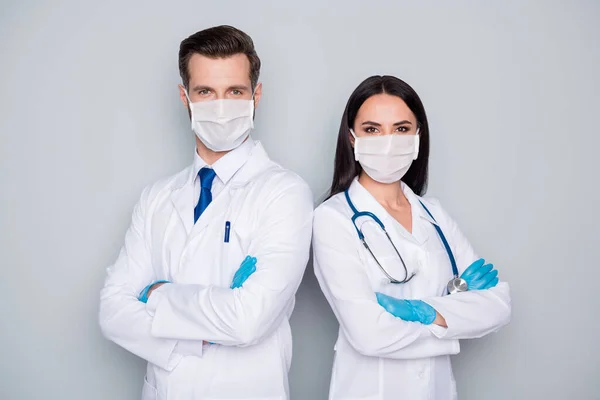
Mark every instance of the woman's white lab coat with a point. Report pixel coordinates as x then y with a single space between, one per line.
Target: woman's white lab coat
270 212
379 356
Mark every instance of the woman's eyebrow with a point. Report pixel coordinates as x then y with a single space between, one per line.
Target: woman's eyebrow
371 123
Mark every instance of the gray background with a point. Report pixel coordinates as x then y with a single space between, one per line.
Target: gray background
90 113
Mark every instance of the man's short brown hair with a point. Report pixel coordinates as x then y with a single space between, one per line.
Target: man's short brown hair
218 42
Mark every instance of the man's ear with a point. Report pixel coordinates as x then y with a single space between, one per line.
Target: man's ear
257 94
183 97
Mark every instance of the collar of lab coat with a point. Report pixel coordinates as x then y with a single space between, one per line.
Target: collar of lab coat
227 165
364 201
255 160
181 195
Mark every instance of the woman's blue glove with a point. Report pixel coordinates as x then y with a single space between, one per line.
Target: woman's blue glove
480 276
247 268
407 310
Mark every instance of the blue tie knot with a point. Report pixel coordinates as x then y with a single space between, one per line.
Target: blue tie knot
207 175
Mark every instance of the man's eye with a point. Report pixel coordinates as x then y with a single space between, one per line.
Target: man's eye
236 92
204 92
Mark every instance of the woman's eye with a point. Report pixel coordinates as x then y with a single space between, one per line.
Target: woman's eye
403 129
370 129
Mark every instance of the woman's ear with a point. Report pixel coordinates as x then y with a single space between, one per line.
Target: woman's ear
351 137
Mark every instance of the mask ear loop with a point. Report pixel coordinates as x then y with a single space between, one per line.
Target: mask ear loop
252 106
417 143
187 96
355 140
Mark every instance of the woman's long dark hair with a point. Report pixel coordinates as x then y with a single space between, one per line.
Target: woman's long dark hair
346 169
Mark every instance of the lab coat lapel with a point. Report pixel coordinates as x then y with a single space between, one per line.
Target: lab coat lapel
364 201
257 163
182 198
421 227
218 207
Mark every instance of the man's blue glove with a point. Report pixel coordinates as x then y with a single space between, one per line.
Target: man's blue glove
480 276
247 268
143 296
407 310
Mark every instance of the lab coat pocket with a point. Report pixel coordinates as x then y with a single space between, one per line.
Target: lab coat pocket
380 282
438 272
149 392
382 262
236 250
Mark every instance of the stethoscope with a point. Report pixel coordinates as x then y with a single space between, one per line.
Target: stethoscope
455 285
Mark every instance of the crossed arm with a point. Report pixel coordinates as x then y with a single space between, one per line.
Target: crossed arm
178 317
374 331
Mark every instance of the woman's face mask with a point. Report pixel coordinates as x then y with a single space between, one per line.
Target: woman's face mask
386 158
386 137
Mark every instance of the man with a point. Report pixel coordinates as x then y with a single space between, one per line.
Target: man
204 286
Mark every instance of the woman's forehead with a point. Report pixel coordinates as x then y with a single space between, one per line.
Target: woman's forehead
384 108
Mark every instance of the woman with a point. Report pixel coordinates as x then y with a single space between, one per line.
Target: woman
390 291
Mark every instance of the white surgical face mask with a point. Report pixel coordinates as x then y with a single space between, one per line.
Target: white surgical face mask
386 158
222 125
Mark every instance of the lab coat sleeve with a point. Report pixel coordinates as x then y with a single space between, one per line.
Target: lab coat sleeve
245 316
123 318
368 327
470 314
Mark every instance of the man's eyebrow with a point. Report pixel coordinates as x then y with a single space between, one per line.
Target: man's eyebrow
239 87
197 88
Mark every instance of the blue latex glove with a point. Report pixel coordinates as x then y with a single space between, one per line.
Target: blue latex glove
143 297
407 310
247 268
480 276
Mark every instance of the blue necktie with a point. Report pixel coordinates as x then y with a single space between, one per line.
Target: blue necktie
207 176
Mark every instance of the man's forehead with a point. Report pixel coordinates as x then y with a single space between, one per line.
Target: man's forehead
229 70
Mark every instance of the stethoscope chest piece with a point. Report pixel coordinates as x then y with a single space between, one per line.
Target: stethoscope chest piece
457 285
